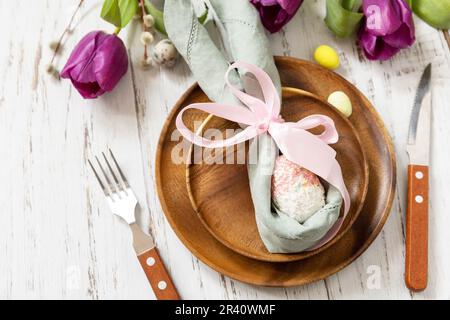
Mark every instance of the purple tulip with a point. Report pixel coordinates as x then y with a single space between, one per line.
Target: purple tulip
276 13
388 28
97 64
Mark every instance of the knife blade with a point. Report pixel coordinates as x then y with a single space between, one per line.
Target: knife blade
418 148
420 124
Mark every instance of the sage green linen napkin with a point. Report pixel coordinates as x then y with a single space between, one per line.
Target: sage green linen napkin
245 40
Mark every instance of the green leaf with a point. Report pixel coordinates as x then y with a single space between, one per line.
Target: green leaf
119 12
351 5
157 15
343 21
204 16
434 12
110 12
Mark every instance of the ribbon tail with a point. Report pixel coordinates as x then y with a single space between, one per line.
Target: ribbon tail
329 135
245 135
304 148
336 179
233 113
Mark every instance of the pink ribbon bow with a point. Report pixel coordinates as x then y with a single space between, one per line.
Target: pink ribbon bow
309 151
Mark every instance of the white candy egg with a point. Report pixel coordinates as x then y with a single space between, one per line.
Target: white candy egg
342 102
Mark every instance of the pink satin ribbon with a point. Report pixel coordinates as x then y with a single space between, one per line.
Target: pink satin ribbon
310 151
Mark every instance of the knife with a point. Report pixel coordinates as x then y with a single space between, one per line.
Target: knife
418 148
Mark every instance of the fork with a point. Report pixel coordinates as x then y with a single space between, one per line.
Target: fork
123 203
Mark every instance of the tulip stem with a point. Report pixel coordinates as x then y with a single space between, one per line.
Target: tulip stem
66 30
117 31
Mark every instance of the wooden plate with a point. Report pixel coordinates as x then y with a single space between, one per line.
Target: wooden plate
172 191
220 193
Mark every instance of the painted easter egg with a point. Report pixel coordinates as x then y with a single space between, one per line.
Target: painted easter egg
165 54
296 191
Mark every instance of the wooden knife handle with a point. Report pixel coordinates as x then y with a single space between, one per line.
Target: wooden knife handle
416 269
158 276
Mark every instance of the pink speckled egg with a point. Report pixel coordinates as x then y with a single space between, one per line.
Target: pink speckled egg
296 191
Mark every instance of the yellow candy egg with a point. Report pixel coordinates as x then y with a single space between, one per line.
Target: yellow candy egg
342 102
327 57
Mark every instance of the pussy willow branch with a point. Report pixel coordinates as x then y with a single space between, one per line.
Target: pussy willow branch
66 30
144 28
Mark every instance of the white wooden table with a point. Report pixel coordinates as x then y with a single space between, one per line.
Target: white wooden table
57 237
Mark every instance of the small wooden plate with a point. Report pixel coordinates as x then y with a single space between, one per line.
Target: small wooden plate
172 190
220 193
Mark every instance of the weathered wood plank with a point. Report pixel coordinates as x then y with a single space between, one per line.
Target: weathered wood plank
56 234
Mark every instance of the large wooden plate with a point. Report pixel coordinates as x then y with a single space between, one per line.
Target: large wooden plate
220 193
172 191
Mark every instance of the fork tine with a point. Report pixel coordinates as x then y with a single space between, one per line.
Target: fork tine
98 178
118 184
111 185
119 170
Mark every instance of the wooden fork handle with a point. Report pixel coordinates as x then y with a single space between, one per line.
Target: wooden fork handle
158 276
416 269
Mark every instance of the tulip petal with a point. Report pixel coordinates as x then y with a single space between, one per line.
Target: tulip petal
97 64
401 38
290 6
382 16
110 63
375 48
82 54
388 27
90 90
404 36
276 13
267 3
